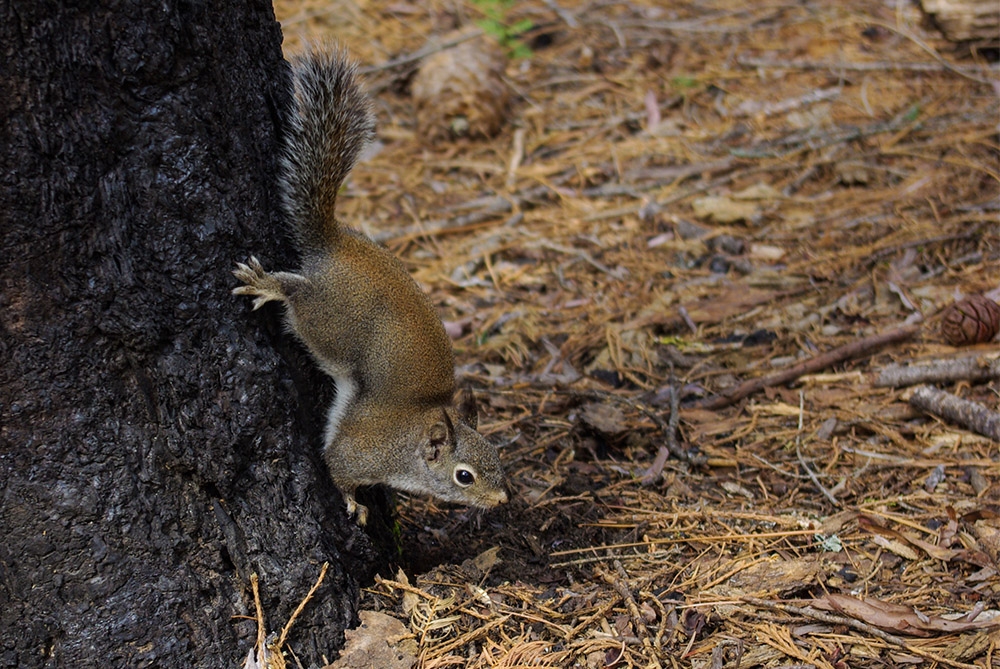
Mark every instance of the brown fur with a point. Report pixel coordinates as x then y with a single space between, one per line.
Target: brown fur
365 320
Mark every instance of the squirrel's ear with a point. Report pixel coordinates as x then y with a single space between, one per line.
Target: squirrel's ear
435 440
468 410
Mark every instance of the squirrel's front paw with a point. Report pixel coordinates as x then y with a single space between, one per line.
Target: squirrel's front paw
360 511
257 282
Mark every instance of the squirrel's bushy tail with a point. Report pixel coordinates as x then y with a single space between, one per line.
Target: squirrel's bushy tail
329 125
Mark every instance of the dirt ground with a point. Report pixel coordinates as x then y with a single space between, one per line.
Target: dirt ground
680 198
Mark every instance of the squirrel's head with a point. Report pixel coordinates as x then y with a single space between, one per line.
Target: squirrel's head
460 464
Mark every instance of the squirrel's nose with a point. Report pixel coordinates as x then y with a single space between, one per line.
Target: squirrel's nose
505 493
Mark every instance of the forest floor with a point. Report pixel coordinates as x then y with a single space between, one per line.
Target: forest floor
680 198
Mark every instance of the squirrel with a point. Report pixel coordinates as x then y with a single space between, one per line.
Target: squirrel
364 319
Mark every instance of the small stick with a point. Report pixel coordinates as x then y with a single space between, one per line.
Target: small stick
584 256
784 106
814 478
563 14
855 349
974 368
420 54
656 469
687 319
799 142
802 461
971 232
261 632
619 582
266 655
517 155
302 605
970 415
801 64
491 207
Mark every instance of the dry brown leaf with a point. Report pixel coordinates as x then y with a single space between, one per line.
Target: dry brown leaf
896 617
767 252
758 191
776 577
410 599
605 418
728 301
833 524
379 641
777 409
478 567
721 209
897 542
987 533
900 548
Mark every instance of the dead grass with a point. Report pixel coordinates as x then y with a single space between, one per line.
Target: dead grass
820 172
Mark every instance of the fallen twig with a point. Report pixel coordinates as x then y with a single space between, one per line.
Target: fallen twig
261 644
755 108
973 368
489 207
269 652
497 206
564 14
802 462
854 349
814 478
876 66
971 232
298 609
656 469
814 140
616 273
970 415
619 581
420 54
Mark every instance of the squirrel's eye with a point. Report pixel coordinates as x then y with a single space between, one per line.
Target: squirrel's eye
464 477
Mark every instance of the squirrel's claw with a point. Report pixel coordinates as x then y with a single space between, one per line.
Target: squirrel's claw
258 283
359 511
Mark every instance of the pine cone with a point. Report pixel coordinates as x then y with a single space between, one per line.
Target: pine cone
461 92
974 320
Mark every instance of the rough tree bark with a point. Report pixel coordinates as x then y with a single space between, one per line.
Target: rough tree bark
157 442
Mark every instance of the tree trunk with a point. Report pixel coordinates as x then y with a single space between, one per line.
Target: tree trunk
157 442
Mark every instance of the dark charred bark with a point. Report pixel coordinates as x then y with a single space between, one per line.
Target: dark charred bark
156 444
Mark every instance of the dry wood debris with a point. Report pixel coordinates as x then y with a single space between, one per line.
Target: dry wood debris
688 199
966 20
